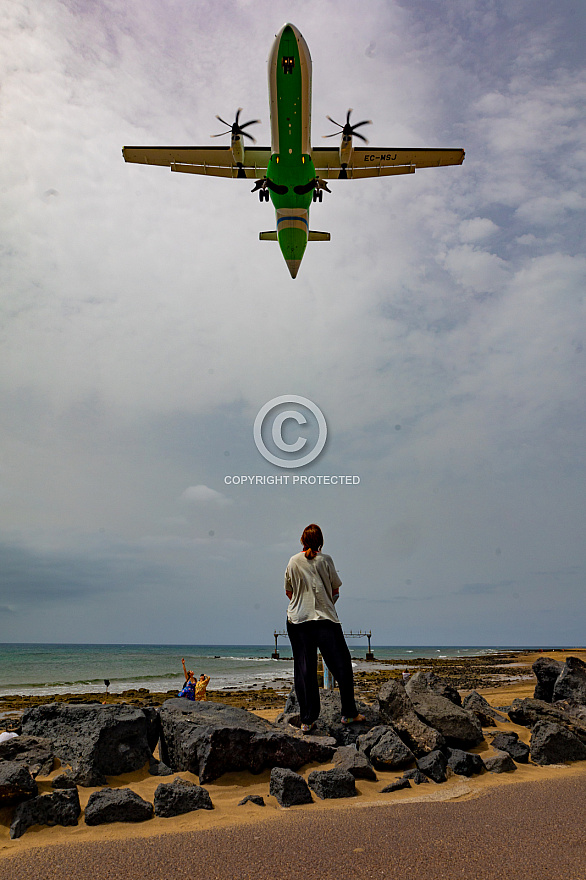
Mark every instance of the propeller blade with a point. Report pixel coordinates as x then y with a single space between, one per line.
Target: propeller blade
334 135
362 138
348 116
364 122
249 136
251 122
238 112
223 121
334 121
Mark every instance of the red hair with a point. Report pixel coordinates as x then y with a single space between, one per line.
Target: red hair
312 540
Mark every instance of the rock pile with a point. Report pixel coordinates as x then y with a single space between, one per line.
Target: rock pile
422 728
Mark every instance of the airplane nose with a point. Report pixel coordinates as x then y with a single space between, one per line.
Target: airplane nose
293 266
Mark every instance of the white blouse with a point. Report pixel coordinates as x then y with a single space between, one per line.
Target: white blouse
312 582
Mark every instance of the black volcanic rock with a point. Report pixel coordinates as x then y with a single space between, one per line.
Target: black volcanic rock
16 783
289 788
116 805
464 763
500 762
61 807
482 709
336 783
384 748
35 752
528 712
547 671
396 709
553 744
434 765
210 739
329 722
510 743
94 740
180 796
460 727
355 762
571 683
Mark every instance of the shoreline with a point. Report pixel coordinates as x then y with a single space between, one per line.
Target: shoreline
477 672
227 791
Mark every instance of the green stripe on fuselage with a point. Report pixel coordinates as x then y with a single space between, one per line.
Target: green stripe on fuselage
290 167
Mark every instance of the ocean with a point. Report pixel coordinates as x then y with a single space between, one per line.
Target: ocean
45 669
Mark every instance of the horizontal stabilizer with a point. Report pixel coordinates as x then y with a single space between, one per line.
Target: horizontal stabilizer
313 236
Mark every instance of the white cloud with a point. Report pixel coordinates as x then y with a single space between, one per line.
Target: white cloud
203 494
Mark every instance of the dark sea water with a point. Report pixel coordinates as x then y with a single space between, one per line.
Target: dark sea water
57 669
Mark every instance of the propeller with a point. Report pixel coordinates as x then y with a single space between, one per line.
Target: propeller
235 128
347 129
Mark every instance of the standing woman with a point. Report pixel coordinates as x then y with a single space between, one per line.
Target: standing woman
312 586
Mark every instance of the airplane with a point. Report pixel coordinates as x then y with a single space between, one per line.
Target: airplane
292 173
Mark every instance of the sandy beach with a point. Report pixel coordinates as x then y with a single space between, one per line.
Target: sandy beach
483 822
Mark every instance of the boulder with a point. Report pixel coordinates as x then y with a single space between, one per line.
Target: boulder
553 744
350 759
528 712
482 709
384 748
464 763
460 727
396 709
16 783
180 796
571 684
252 799
35 752
116 805
434 765
64 780
334 783
416 776
397 785
158 768
329 722
61 807
500 762
153 725
289 787
210 739
94 740
512 745
442 688
547 671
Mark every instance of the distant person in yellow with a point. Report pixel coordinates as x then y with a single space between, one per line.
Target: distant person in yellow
200 687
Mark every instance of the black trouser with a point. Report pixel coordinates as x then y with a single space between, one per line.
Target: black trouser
305 639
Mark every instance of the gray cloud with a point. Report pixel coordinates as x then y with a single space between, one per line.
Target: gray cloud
146 325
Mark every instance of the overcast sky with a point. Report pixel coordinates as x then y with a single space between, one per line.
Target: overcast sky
440 332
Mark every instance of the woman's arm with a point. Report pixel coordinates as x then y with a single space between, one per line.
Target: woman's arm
184 668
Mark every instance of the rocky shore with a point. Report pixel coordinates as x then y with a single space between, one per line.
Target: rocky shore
424 729
474 673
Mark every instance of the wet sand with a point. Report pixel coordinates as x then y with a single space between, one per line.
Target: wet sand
505 818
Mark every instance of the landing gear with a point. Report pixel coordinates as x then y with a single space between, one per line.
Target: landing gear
263 195
318 195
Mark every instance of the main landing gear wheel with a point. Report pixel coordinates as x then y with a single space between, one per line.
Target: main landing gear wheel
263 195
318 195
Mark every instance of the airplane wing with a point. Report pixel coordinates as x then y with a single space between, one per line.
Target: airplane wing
380 161
214 161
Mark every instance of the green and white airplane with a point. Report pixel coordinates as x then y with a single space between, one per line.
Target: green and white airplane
292 173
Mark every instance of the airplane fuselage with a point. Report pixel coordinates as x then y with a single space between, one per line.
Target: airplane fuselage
291 172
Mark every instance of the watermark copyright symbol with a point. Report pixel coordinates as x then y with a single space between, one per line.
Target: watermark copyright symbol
273 423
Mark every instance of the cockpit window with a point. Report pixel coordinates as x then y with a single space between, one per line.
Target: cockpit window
288 64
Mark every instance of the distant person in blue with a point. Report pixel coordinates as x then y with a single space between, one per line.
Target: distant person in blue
188 689
312 586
